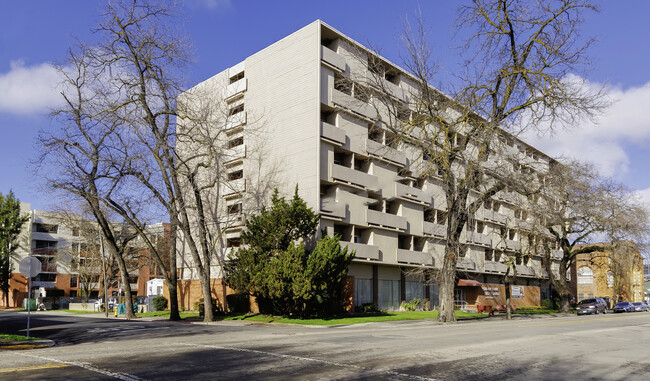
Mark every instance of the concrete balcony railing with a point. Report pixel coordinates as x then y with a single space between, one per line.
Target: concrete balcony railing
385 152
412 194
352 176
523 224
479 239
44 252
236 120
493 216
332 133
235 153
495 267
557 254
525 271
48 267
513 245
353 104
333 208
332 58
134 286
362 251
235 89
433 229
466 264
543 274
386 220
232 187
414 257
44 284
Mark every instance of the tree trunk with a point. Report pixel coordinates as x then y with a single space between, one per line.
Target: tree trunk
508 299
172 278
447 283
208 314
126 286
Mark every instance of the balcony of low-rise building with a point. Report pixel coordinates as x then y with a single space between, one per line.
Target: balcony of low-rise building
44 284
353 104
433 229
346 175
333 134
466 264
235 89
493 216
48 267
492 267
557 254
332 58
233 187
236 121
44 252
362 250
478 239
512 245
412 194
234 154
385 220
384 152
333 208
525 271
414 257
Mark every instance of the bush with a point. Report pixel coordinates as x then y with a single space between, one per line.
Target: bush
367 307
548 304
160 303
411 306
532 308
238 303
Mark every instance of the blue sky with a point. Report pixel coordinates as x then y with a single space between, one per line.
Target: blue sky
36 33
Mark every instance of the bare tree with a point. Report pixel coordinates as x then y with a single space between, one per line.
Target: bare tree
518 73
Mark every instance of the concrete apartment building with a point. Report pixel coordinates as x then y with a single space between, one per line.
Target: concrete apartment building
596 275
67 255
284 104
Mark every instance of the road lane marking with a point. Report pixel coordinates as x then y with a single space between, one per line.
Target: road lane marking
119 376
292 357
45 366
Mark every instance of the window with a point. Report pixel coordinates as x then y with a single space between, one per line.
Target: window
73 293
73 281
237 77
42 244
235 175
236 110
75 247
234 209
75 232
376 134
389 294
610 279
233 242
362 291
414 290
585 275
236 142
46 228
441 217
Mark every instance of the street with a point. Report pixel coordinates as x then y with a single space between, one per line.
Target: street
608 347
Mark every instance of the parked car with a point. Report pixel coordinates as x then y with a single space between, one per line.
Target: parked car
592 306
640 306
624 307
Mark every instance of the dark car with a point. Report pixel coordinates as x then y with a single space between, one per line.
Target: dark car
592 306
624 307
640 306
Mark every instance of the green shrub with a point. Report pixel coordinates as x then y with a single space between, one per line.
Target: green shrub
532 308
238 303
548 304
160 303
367 307
412 305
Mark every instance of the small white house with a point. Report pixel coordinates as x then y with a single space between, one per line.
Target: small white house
155 287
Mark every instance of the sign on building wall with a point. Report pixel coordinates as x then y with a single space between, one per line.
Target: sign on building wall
517 292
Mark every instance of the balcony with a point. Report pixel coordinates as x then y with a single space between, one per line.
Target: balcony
433 229
387 153
525 271
557 254
351 103
412 194
236 153
48 267
495 267
333 208
543 274
352 176
332 58
513 245
44 284
362 251
479 239
235 89
466 264
385 220
332 133
233 187
493 216
235 121
523 224
45 251
134 286
414 257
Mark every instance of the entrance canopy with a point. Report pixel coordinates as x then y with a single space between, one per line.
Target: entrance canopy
468 283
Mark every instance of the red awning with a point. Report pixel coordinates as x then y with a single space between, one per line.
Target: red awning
468 283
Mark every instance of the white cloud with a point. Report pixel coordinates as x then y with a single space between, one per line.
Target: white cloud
623 126
213 4
29 89
644 196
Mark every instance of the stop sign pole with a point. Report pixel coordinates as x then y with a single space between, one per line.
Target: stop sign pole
29 267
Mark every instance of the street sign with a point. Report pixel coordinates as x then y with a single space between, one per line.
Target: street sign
30 267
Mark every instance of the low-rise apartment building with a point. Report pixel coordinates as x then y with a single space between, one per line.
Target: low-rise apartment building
289 121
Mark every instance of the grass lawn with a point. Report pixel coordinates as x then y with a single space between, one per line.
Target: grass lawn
4 336
184 314
349 319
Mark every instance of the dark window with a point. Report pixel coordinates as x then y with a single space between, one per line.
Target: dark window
46 228
75 232
235 175
73 282
237 77
234 209
233 242
236 110
236 142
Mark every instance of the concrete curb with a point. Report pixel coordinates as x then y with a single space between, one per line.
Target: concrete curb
26 344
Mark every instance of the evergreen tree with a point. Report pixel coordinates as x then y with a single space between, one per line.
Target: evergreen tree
11 223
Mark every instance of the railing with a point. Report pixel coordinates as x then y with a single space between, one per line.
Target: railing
232 187
385 152
332 133
354 177
414 257
478 238
434 229
466 264
235 88
333 208
235 153
236 120
332 58
347 101
374 217
45 251
413 194
495 267
362 250
525 271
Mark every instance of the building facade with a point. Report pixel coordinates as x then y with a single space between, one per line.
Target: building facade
285 104
613 276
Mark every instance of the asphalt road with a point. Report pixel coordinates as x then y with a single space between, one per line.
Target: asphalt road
608 347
